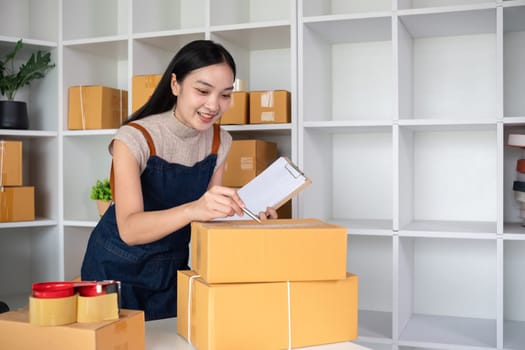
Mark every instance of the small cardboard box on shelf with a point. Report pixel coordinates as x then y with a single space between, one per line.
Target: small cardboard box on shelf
96 107
142 88
238 112
10 163
17 203
271 106
246 160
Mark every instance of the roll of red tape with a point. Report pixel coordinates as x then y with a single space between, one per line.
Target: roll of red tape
520 165
53 289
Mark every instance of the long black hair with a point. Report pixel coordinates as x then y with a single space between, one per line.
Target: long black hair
194 55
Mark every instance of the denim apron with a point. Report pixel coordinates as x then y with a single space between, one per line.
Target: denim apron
148 272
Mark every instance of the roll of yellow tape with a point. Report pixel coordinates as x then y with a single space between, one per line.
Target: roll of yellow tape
97 308
52 311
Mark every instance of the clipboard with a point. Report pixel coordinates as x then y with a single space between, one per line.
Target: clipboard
273 187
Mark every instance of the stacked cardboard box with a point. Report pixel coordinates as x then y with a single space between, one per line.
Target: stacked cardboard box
17 202
279 284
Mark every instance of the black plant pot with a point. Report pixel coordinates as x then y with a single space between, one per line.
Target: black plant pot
13 115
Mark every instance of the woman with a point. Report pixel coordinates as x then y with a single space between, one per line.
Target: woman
167 168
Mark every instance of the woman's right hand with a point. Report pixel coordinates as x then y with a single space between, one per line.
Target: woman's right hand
217 202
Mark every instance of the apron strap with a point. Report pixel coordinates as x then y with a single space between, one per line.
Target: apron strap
152 152
216 139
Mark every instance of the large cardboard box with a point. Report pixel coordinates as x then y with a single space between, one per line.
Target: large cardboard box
271 106
275 250
128 332
246 160
96 107
142 89
11 163
239 109
255 315
17 204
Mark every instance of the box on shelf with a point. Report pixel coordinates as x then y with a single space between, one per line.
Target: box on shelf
142 88
128 332
255 315
239 109
11 163
246 160
275 250
271 106
17 203
96 107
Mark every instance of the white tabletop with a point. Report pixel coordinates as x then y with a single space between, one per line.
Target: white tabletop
162 335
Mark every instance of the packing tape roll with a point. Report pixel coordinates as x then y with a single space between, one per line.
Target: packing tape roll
519 196
52 311
520 165
516 140
97 308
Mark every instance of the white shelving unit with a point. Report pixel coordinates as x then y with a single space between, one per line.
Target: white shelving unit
400 115
404 110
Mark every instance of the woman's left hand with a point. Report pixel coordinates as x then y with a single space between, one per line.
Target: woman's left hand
270 213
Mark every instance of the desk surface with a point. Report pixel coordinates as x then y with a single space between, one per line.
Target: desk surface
162 335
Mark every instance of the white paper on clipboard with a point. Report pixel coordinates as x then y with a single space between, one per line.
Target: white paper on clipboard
273 187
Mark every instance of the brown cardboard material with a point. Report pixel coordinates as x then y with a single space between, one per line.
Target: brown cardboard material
275 250
239 109
96 107
246 160
271 106
128 332
255 315
142 89
11 163
17 204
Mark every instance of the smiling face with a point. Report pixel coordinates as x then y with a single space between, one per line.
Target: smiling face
203 96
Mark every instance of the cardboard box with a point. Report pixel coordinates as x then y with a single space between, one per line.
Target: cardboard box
255 315
239 109
10 163
275 250
272 106
17 204
142 89
246 160
128 332
96 107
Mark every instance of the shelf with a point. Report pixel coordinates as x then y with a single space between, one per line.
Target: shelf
38 222
327 7
371 257
441 174
513 285
330 163
452 332
93 165
366 227
347 71
449 229
90 19
513 57
447 291
443 69
225 12
162 15
30 19
375 326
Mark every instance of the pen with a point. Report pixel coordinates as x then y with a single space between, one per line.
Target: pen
250 214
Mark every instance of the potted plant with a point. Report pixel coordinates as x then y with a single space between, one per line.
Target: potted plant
101 192
13 114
